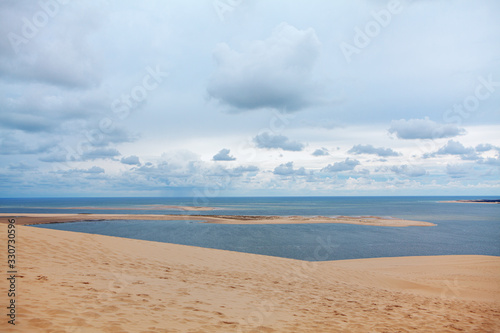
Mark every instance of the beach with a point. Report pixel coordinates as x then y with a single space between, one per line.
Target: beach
74 282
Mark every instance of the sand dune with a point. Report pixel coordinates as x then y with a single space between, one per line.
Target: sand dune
72 282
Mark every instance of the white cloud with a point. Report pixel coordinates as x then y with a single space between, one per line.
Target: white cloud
288 170
409 170
321 152
453 147
458 170
223 155
486 147
494 161
423 129
99 153
94 169
272 141
347 165
131 160
369 149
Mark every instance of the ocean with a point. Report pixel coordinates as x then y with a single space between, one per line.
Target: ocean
462 228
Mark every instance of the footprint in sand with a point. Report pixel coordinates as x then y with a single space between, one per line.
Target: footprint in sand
58 312
40 323
91 314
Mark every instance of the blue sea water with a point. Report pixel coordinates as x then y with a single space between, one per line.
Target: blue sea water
462 228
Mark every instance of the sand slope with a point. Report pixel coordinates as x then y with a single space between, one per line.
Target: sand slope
74 282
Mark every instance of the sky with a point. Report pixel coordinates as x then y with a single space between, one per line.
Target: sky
215 98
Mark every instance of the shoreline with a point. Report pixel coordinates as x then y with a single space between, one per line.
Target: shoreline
34 218
101 283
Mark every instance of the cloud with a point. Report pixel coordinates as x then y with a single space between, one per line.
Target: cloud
64 58
223 155
11 145
456 148
91 172
244 169
369 149
187 175
322 123
273 73
131 160
423 129
410 171
42 109
21 167
100 153
288 170
99 138
26 122
457 170
54 157
347 165
94 170
321 152
491 161
486 147
270 141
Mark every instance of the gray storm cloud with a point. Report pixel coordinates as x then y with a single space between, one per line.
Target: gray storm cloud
274 73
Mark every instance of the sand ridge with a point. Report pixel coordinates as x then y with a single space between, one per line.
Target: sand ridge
73 282
30 218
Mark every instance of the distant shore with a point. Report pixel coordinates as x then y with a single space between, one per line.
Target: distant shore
30 218
141 207
488 201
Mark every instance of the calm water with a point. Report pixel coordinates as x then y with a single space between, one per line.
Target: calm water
461 228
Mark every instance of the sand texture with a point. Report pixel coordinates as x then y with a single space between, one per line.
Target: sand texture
23 219
73 282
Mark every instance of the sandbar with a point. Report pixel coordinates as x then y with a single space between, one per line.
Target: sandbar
487 201
29 218
74 282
